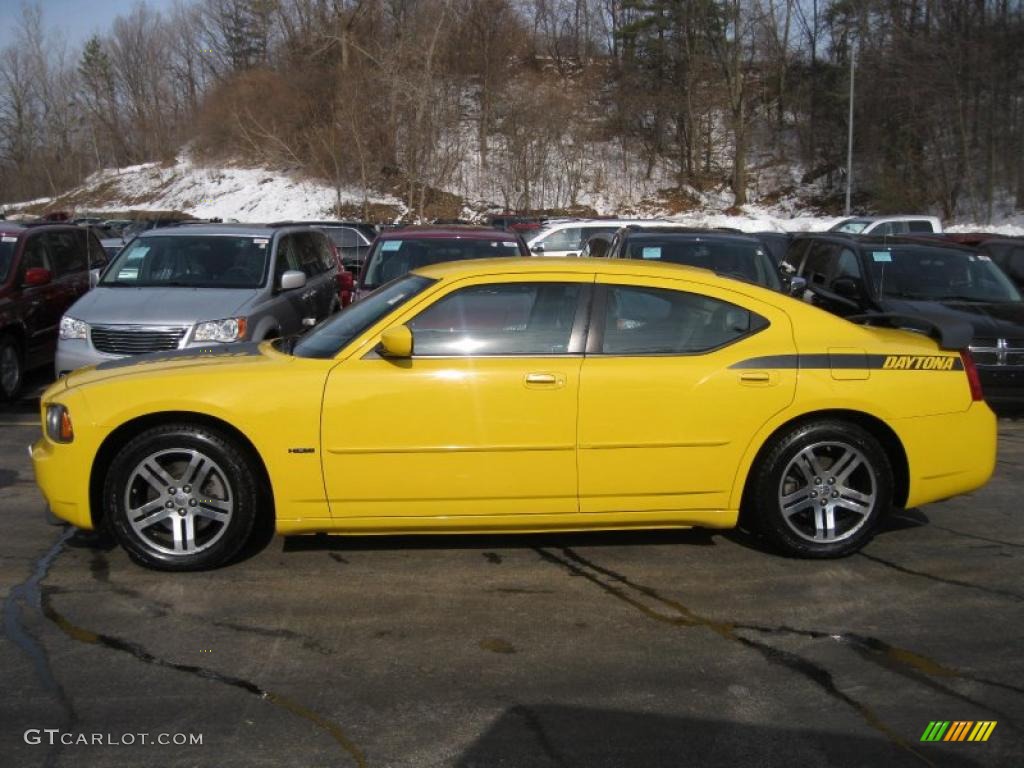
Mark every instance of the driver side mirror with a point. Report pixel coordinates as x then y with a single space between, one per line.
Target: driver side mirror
538 249
292 279
396 342
797 285
36 276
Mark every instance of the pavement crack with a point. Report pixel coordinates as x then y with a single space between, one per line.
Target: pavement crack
975 536
942 579
28 595
620 587
536 727
138 652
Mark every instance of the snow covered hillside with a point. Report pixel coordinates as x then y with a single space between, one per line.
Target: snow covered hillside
237 193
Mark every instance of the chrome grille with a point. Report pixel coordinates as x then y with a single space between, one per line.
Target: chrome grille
987 351
135 339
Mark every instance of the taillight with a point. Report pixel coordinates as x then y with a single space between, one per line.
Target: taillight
973 379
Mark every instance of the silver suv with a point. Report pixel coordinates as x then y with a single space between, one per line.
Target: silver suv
196 285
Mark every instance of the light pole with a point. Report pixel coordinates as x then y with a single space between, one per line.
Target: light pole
849 134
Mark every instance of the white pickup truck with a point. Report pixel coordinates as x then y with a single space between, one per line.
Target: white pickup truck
887 225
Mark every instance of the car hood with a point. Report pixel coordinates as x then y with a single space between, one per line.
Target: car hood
214 357
159 306
989 319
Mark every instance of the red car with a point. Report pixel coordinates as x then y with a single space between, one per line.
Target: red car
44 269
398 251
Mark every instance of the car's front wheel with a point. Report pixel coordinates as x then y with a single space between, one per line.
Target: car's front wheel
182 497
820 488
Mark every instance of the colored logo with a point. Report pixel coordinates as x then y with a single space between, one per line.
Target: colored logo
958 730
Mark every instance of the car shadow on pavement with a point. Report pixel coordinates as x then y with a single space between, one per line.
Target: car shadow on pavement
324 542
563 736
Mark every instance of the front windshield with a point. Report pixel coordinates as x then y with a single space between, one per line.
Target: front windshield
394 258
190 261
852 227
745 261
928 273
7 245
330 337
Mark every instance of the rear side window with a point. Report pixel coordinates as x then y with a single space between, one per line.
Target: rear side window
344 237
920 226
395 257
655 321
503 319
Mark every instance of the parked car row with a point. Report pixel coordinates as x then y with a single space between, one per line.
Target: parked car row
186 284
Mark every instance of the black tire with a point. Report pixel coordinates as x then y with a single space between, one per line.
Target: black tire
778 477
215 542
12 368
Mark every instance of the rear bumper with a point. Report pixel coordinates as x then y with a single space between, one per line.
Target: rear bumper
948 454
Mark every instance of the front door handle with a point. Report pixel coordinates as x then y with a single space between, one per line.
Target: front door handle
541 378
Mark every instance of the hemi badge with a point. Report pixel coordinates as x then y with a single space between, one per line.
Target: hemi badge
302 450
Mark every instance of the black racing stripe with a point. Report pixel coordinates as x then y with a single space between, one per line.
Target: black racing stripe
245 349
849 361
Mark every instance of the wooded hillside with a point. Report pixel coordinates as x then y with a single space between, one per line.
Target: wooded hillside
529 104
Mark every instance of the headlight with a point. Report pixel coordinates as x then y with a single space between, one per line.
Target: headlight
231 329
58 424
73 329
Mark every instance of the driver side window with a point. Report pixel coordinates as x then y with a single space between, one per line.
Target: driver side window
503 319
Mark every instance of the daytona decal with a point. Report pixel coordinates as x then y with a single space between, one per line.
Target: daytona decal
848 361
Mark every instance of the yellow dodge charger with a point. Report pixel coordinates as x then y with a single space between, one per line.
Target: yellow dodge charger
514 395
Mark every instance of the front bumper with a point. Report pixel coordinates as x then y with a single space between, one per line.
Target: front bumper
1002 385
63 480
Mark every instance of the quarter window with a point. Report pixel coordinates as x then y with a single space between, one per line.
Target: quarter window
652 321
503 319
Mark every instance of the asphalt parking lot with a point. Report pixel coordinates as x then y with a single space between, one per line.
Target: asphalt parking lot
618 649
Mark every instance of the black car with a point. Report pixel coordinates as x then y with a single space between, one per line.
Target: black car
1008 253
910 279
730 255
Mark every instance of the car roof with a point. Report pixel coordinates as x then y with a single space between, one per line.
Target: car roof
682 233
20 227
537 266
265 230
448 232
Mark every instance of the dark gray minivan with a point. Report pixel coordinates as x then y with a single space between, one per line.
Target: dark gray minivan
196 285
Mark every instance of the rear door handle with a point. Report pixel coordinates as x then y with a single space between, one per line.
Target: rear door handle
759 378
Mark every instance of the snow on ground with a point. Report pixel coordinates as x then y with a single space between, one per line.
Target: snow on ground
226 192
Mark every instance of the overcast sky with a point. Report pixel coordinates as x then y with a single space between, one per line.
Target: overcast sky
76 20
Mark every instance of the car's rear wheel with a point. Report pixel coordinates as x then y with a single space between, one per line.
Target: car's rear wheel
820 488
11 367
182 497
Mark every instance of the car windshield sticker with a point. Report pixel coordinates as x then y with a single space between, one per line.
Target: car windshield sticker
652 252
983 257
8 239
261 242
391 245
881 255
